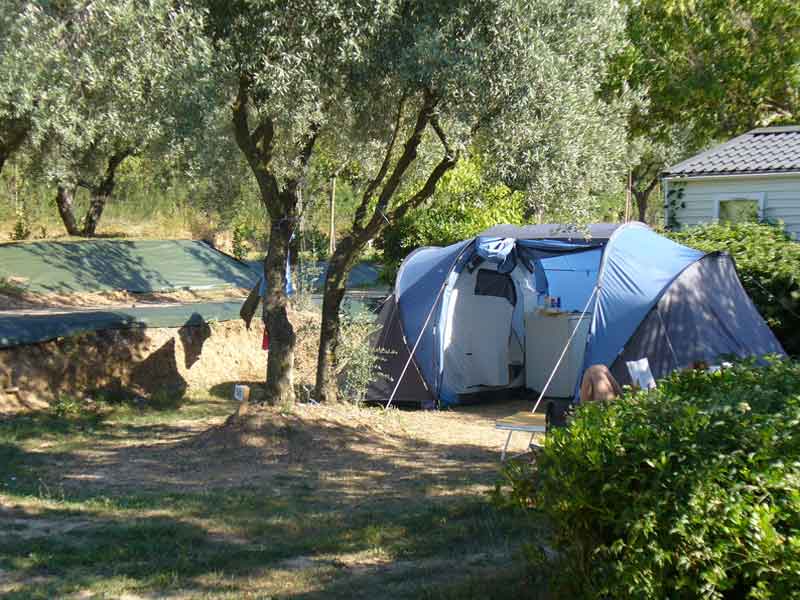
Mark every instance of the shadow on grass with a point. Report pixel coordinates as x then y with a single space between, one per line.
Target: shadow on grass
68 551
282 514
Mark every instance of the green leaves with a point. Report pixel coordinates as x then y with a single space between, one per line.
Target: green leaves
465 203
98 78
721 66
703 500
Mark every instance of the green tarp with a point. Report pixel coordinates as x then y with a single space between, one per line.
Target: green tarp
104 265
35 328
134 266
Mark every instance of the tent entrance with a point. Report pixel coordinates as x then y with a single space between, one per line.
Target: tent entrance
571 278
483 330
497 334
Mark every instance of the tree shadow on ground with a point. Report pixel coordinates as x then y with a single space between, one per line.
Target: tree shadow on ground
283 499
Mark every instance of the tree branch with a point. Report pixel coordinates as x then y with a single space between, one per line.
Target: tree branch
640 172
426 191
651 186
448 152
305 156
241 127
256 146
361 211
403 163
113 164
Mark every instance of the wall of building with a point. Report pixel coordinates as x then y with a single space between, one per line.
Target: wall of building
780 195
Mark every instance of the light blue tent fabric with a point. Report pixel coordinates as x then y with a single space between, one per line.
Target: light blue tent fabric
638 265
498 251
572 277
424 271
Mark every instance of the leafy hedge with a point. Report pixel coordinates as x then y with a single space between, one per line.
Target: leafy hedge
768 261
689 491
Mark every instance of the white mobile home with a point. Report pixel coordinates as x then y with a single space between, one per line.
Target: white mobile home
756 174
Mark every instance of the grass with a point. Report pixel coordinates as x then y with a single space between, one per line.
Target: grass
114 502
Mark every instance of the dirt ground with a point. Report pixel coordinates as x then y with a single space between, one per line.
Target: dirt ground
367 444
21 300
314 502
139 362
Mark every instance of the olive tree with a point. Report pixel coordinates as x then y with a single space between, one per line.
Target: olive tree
139 75
89 83
520 80
31 59
286 67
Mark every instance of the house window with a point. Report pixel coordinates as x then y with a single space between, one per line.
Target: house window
738 211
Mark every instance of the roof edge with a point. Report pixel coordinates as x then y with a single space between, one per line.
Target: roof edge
669 175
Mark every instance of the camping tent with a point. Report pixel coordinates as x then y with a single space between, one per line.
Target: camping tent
476 316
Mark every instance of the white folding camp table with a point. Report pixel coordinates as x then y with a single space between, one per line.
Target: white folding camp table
525 422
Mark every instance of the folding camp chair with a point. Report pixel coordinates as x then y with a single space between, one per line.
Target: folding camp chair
525 422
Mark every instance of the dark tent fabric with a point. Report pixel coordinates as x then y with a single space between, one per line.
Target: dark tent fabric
598 232
137 266
35 328
390 338
419 281
705 314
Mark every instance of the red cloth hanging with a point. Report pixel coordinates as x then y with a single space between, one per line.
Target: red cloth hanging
265 340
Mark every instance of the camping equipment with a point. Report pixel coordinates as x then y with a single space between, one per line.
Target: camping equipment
496 313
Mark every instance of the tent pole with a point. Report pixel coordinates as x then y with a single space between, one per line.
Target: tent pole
425 325
414 349
564 351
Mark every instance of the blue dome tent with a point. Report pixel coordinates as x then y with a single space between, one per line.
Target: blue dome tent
478 315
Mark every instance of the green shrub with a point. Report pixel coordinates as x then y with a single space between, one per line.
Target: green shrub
358 362
689 491
768 261
22 224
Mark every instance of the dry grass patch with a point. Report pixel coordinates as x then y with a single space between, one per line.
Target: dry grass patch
317 501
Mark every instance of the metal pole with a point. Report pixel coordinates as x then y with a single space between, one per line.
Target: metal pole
628 207
332 242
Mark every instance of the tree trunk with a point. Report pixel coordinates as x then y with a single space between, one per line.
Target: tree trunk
64 204
100 193
339 267
280 360
283 208
641 203
96 205
13 133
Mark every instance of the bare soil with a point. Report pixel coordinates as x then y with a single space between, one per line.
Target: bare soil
370 451
24 301
142 362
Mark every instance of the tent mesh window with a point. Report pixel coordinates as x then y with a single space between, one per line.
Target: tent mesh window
492 283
